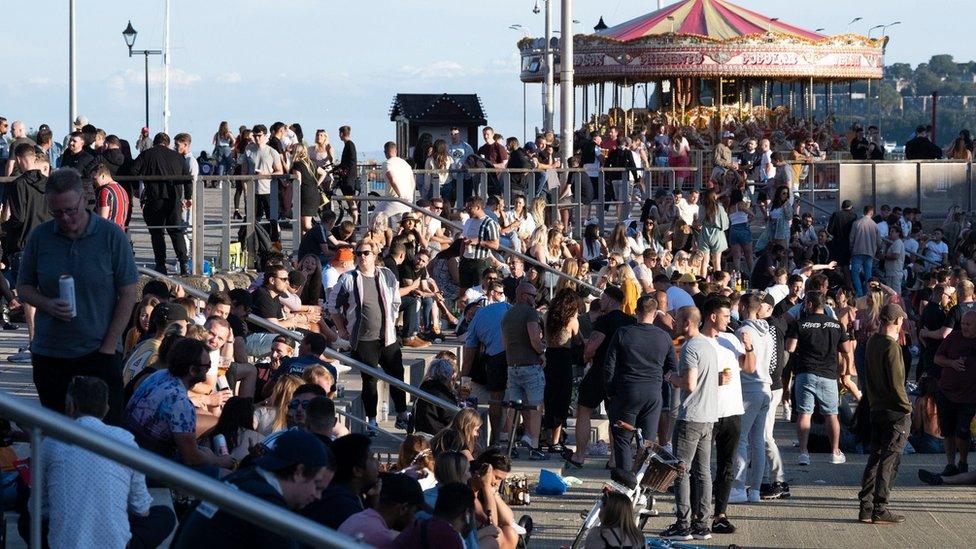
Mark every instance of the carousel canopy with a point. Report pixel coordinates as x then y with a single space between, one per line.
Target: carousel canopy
709 39
716 19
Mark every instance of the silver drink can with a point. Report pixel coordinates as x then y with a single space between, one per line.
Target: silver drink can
66 285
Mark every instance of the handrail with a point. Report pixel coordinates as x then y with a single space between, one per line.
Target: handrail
234 501
379 430
272 327
456 226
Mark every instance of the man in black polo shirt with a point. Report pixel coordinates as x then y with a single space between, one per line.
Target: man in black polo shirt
592 389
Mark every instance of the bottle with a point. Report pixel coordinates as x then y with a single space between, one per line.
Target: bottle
385 411
220 444
66 287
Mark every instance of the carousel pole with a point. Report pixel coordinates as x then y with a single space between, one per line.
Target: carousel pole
548 99
811 102
567 103
718 135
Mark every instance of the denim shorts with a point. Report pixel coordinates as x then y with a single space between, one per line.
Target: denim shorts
812 389
740 234
526 383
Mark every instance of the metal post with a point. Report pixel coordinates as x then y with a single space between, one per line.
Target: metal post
601 191
548 94
296 214
166 71
145 55
567 103
225 188
525 115
252 208
37 483
72 69
935 102
196 227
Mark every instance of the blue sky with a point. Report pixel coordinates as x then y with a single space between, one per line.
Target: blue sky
325 63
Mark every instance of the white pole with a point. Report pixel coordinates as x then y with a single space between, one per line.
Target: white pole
567 101
166 71
660 4
72 74
549 91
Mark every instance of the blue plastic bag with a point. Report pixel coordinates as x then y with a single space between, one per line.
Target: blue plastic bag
550 484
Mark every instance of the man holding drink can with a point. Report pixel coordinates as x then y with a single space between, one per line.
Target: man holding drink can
79 332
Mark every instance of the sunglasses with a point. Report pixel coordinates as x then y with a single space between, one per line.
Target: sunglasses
295 403
362 253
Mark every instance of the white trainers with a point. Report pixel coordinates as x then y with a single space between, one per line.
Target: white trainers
803 459
838 458
738 496
754 496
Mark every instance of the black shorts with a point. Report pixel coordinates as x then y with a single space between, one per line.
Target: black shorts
469 272
496 368
591 390
588 190
955 418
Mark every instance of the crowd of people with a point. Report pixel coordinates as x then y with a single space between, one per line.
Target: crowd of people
696 317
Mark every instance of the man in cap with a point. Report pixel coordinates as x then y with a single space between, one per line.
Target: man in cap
400 499
722 161
291 475
143 142
890 417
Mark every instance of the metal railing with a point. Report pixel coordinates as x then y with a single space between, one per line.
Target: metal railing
43 422
274 328
526 258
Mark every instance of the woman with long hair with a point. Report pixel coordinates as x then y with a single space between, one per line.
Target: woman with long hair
740 235
539 211
440 163
526 226
563 353
780 217
714 221
138 322
595 250
322 155
631 288
466 424
271 415
571 267
240 158
416 460
304 170
236 424
959 151
223 142
617 243
617 526
678 156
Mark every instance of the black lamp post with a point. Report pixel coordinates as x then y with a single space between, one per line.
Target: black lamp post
129 34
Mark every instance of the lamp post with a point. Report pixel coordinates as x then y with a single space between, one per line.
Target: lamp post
855 20
72 68
548 86
567 104
884 46
129 34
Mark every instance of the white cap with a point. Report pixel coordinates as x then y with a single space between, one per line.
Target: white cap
81 120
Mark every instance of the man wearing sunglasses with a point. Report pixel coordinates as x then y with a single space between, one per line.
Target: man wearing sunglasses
364 305
83 337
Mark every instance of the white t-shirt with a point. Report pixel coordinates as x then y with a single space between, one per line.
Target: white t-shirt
644 275
687 212
778 291
897 265
261 159
911 245
934 250
403 186
678 298
729 350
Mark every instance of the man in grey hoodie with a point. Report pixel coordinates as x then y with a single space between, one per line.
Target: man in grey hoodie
756 397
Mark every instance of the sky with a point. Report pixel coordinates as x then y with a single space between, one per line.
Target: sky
325 63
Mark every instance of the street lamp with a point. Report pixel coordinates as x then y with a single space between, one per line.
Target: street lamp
872 30
884 28
129 35
769 25
855 20
548 90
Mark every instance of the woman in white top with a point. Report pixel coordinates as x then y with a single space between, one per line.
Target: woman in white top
526 221
439 162
678 156
617 243
594 247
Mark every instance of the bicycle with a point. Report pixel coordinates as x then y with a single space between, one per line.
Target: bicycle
654 470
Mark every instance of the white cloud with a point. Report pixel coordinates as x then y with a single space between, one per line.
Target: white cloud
229 78
452 69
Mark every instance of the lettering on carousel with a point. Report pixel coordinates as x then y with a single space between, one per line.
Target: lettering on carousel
672 58
768 58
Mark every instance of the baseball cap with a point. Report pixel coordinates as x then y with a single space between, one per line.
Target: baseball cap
81 120
767 299
400 488
293 447
145 129
687 277
170 312
891 312
727 135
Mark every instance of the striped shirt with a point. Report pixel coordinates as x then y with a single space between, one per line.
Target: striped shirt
478 231
115 197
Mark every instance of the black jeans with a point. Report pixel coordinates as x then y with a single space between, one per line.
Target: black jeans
262 209
148 531
410 306
390 359
52 376
164 212
888 438
725 432
640 406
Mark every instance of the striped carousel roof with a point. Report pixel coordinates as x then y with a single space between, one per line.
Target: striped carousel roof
716 19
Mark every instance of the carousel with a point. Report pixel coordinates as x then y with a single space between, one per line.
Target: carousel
709 66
